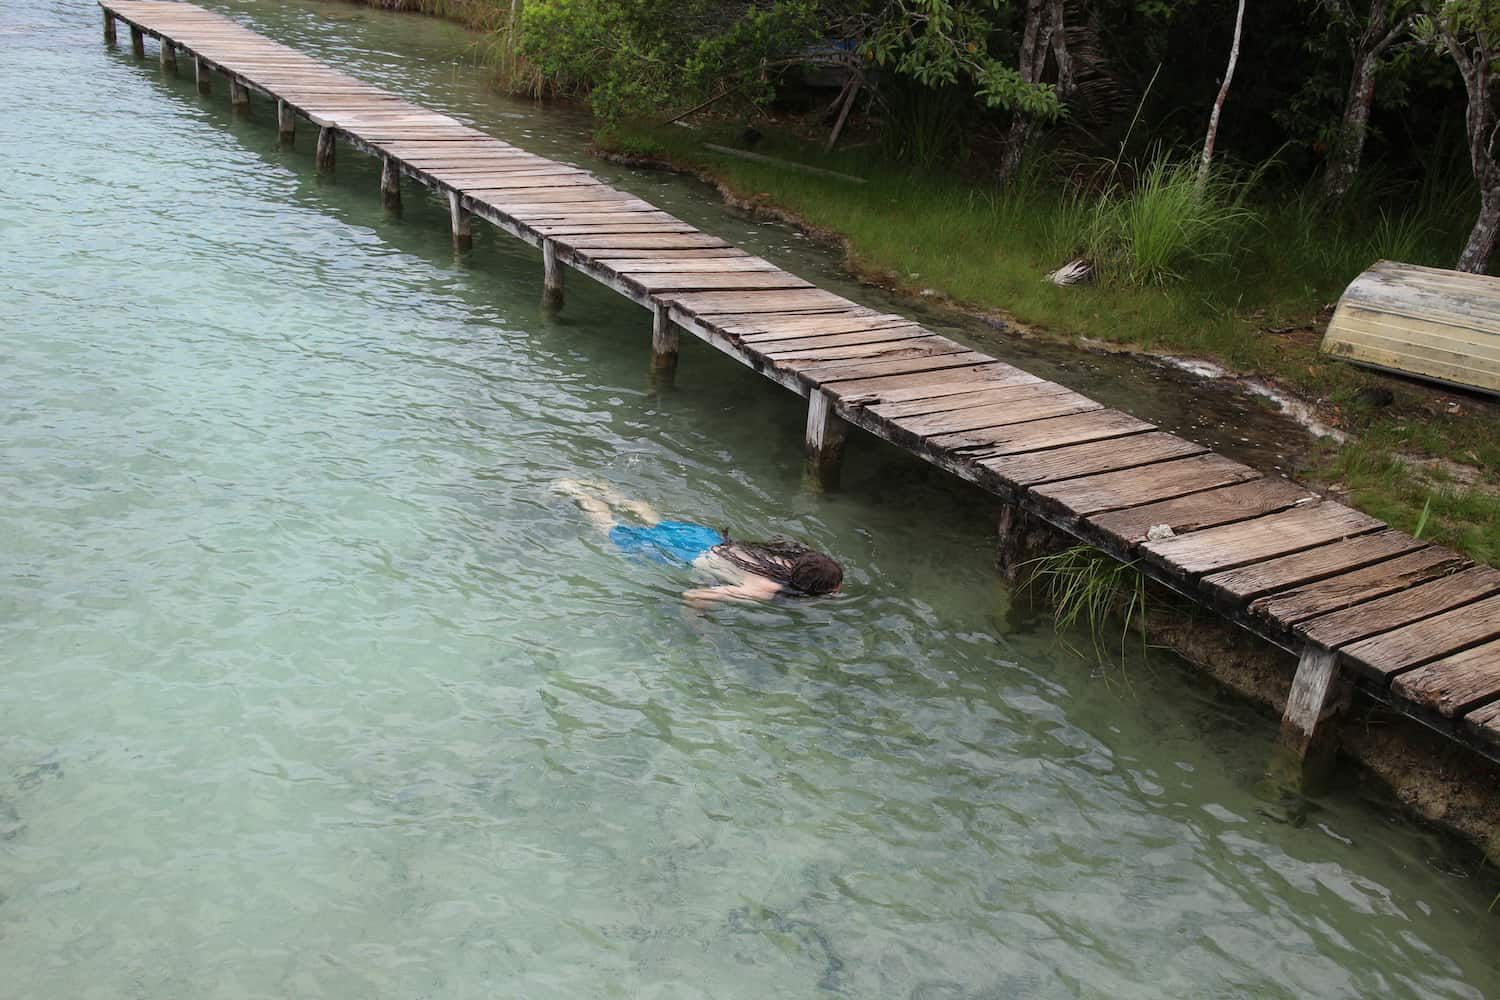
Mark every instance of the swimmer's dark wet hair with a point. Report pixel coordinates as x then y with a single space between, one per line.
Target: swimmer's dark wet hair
801 571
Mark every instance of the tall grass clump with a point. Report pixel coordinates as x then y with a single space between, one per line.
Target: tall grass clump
1087 588
1147 233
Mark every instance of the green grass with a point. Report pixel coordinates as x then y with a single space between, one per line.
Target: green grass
1208 280
1089 590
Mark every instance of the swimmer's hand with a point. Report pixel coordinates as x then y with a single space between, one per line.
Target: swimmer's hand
753 589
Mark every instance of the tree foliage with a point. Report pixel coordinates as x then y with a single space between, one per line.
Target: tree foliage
1361 95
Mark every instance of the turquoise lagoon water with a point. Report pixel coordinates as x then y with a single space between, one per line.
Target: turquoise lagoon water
311 687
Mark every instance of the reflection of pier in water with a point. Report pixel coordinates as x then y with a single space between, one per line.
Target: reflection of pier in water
1414 624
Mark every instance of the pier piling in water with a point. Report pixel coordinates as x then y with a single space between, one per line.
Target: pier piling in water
204 75
286 123
1320 693
325 154
552 275
1415 624
239 97
462 223
168 58
826 431
664 345
390 185
137 42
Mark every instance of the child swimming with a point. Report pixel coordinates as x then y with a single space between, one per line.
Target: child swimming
754 571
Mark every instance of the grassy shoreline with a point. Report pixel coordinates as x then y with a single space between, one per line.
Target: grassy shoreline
1257 310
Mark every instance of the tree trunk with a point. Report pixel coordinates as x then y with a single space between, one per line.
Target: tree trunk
1349 146
1481 245
1480 123
1036 41
1213 116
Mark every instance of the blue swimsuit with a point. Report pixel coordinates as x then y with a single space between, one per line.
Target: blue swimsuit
668 542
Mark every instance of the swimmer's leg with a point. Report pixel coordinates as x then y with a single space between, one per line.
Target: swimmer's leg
639 508
597 511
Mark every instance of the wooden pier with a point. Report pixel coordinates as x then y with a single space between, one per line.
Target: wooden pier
1415 625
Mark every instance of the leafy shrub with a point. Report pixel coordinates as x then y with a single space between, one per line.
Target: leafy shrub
629 59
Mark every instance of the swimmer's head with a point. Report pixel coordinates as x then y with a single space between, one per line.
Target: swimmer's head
813 574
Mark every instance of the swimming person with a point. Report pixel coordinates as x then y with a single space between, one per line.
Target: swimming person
754 571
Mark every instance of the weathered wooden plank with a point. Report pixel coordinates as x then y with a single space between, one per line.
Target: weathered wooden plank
1339 628
1455 684
990 395
657 253
900 388
614 229
829 357
1298 603
760 329
1202 510
1484 722
675 241
1019 411
852 373
1257 579
500 185
1039 435
589 218
1246 542
709 303
631 266
880 335
687 281
1131 487
1088 459
1422 641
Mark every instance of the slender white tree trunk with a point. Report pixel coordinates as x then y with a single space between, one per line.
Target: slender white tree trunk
1213 116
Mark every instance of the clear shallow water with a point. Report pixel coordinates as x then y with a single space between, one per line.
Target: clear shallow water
309 686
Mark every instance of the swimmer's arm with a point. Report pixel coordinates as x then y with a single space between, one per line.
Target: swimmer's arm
752 588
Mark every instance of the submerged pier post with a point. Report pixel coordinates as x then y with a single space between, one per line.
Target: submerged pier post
390 185
168 58
665 342
325 150
826 431
552 275
463 226
286 123
137 42
204 74
110 38
239 97
1321 691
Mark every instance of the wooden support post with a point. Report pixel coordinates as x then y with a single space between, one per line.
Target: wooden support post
390 185
110 38
463 227
664 345
325 150
137 42
286 123
825 439
204 74
239 96
1320 692
552 275
168 58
